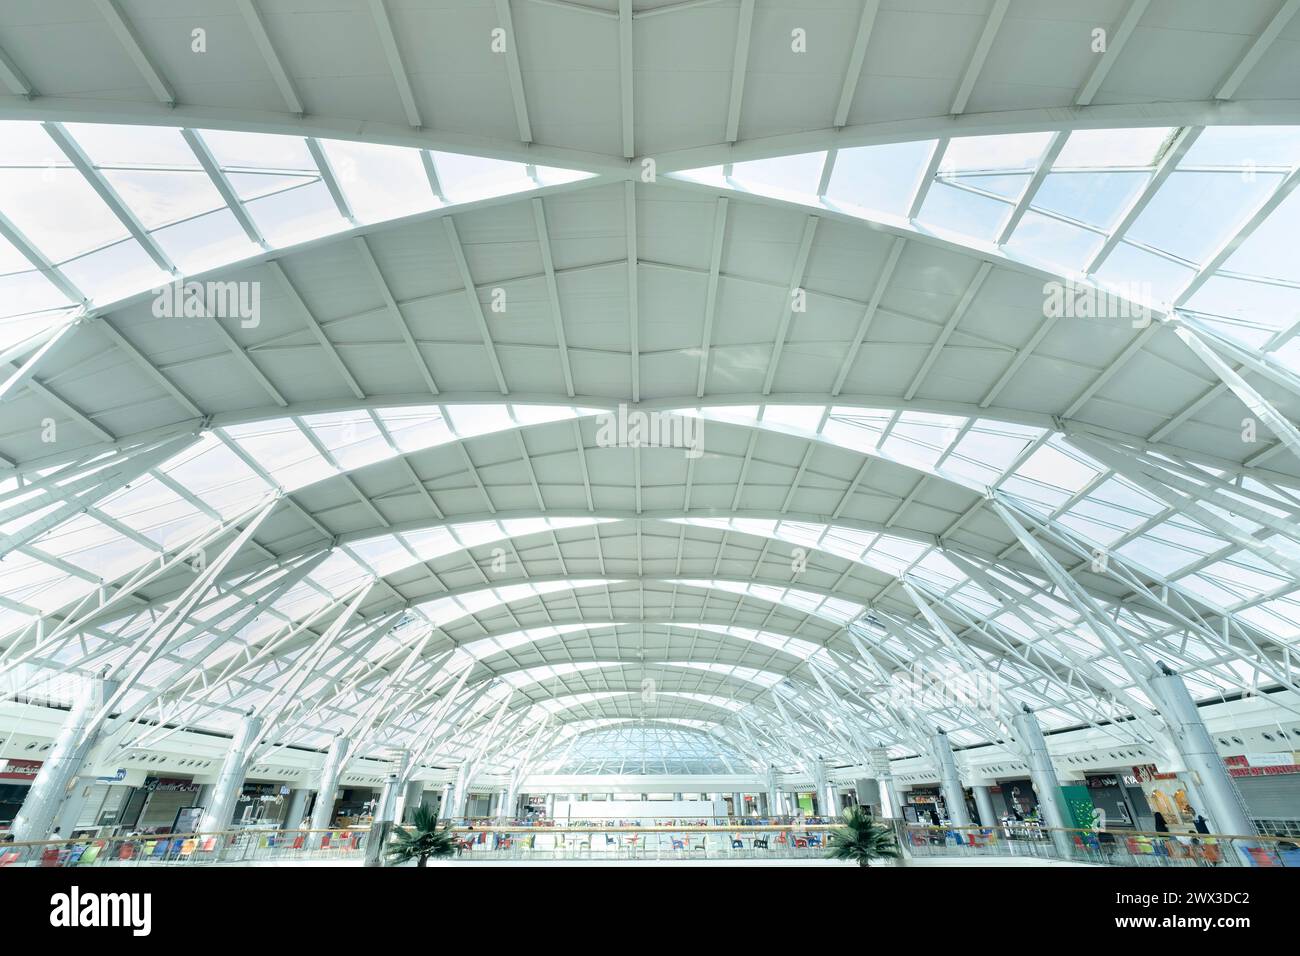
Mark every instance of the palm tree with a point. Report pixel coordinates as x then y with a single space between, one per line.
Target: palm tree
861 838
426 839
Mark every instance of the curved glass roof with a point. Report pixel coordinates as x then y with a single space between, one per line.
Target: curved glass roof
1155 214
363 616
631 748
91 214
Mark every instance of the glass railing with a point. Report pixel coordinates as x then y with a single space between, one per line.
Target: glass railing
1105 847
190 849
675 838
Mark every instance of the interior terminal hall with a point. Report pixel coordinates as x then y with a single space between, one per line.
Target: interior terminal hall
649 433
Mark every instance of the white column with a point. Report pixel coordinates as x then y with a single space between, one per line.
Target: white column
444 804
225 792
1051 802
984 804
1224 809
36 818
412 797
868 790
293 812
949 781
820 783
322 814
386 811
885 777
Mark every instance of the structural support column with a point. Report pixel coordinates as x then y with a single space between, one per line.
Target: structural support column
225 792
1051 802
75 740
868 791
984 804
820 785
737 804
445 803
953 794
885 778
293 812
1223 808
412 797
322 814
773 802
386 811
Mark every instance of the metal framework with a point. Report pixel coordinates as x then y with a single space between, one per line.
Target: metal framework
880 492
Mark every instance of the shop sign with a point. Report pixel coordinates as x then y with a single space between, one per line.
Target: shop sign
171 784
1261 765
1098 783
14 769
1147 772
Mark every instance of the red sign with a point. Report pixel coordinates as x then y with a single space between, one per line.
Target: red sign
1147 772
1240 767
19 769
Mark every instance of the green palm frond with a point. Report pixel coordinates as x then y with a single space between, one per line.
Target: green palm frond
423 840
861 839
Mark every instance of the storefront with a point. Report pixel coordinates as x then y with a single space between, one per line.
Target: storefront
1167 795
1270 787
1015 799
153 808
16 778
261 805
355 807
919 801
1121 802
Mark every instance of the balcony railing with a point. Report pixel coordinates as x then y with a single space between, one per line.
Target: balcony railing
667 839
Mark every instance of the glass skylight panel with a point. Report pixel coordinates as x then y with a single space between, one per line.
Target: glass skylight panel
352 438
1192 214
1054 467
1270 249
1113 148
804 418
1245 147
380 182
1095 199
470 420
879 178
1010 151
151 508
298 214
115 272
796 176
466 178
214 473
414 428
206 242
57 210
93 546
22 296
282 451
950 209
1005 185
1050 241
1143 276
1260 306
